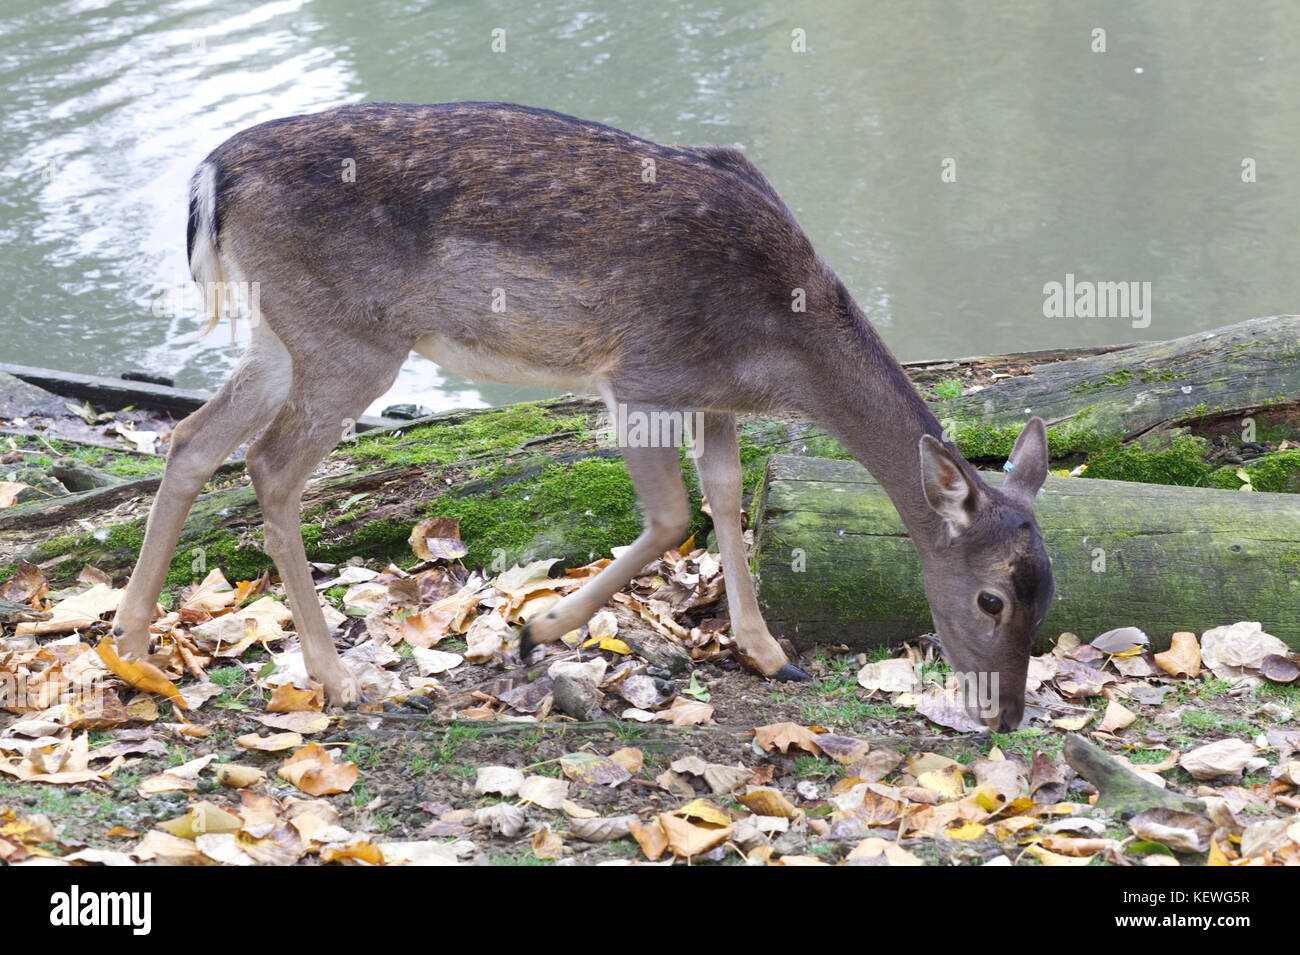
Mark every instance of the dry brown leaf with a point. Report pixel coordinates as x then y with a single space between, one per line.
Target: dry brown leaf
1116 718
438 538
686 712
629 757
269 744
1183 658
313 770
784 735
589 769
687 839
240 777
287 698
650 836
547 844
764 801
75 613
842 749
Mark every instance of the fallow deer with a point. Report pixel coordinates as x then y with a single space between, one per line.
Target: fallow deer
523 246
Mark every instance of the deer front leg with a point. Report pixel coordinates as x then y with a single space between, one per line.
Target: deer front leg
718 463
657 475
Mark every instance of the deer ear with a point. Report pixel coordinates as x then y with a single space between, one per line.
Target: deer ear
1027 463
950 494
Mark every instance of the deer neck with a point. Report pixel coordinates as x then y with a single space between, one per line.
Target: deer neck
865 400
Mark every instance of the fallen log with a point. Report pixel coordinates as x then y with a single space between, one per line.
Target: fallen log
1133 391
834 563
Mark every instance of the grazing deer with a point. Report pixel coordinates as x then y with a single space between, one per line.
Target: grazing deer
522 246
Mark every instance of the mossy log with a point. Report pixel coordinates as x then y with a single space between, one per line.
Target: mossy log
1131 392
835 565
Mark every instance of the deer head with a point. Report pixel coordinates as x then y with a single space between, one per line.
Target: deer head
987 575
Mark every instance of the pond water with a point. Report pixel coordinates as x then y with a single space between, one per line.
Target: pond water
951 161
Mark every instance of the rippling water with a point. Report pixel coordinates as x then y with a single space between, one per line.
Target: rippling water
1123 165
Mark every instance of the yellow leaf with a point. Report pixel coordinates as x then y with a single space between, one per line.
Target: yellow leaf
1072 723
965 830
613 644
769 802
650 836
547 844
946 782
701 810
203 817
142 675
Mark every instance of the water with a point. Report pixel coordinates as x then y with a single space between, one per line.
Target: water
1116 166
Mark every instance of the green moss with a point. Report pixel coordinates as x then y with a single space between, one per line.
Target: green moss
976 441
136 467
575 511
1277 471
481 433
948 388
1181 461
1115 378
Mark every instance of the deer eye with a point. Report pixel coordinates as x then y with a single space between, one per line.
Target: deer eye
990 604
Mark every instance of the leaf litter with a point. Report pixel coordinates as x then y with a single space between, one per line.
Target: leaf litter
221 751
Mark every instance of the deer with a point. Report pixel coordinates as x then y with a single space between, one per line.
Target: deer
519 245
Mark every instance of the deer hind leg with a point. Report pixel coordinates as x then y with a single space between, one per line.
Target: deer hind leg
326 394
245 403
657 476
718 463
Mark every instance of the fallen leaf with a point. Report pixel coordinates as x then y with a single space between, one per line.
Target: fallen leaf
270 744
438 538
1116 718
287 698
684 712
590 769
203 817
547 844
784 735
1279 669
1183 658
687 839
888 676
1180 831
313 770
1227 757
544 791
240 777
75 613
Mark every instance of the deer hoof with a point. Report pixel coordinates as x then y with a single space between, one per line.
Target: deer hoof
526 643
790 674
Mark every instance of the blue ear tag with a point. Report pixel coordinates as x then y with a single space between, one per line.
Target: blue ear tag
1008 466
